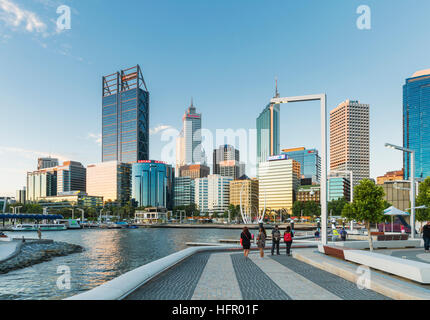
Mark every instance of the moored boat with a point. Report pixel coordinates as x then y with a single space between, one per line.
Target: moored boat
35 227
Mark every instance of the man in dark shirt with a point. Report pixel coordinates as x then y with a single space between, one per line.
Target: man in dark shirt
276 237
426 236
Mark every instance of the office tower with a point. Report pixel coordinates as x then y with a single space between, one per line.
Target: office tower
125 125
43 163
194 171
170 186
268 131
40 184
223 153
416 123
390 176
339 186
149 185
249 190
231 168
212 194
21 195
188 144
184 191
278 182
349 139
71 176
310 162
110 180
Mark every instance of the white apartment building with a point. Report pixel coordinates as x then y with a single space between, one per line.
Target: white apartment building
212 194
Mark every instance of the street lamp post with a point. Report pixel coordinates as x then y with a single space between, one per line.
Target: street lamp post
412 178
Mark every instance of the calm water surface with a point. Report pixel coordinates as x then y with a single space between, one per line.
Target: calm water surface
108 254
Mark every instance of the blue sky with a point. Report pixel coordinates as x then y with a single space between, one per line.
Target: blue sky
225 54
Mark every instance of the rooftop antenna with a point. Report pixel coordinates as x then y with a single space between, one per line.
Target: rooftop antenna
276 86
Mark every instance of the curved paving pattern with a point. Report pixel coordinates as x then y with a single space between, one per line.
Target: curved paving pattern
342 288
228 275
177 283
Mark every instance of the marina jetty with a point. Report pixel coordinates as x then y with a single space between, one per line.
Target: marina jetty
17 254
298 226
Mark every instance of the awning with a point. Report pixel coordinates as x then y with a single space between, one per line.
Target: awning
31 216
393 211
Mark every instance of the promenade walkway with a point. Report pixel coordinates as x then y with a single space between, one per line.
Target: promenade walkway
230 276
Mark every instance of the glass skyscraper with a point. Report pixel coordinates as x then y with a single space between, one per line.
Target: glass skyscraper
149 183
125 125
268 132
416 123
310 162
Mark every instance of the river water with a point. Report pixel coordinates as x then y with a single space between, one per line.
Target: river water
108 254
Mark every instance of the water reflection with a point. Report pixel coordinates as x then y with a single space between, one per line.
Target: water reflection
108 254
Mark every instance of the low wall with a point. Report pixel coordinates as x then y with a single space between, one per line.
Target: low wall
125 284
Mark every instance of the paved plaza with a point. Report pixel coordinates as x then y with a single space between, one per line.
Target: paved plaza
230 276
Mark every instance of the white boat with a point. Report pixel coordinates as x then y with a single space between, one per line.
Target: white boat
71 223
35 227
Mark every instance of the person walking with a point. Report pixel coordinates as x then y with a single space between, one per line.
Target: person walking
343 234
39 233
335 234
288 239
245 241
276 238
261 240
426 236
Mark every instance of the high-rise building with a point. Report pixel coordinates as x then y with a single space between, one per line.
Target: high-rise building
49 182
278 182
349 139
223 153
212 194
71 176
339 186
268 132
390 176
194 171
310 162
21 195
249 190
125 125
309 193
110 180
184 191
43 163
188 144
416 123
149 185
40 184
231 168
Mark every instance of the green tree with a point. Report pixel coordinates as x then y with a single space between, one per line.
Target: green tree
298 206
368 205
423 199
335 207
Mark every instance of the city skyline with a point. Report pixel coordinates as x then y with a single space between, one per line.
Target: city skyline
74 128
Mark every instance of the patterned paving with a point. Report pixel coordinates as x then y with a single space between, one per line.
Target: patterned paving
177 283
230 276
253 282
342 288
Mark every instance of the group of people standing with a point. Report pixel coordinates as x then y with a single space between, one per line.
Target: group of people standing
246 238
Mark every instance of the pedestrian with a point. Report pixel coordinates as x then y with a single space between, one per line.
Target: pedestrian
261 240
343 234
335 234
288 239
317 234
245 241
426 236
39 233
276 238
